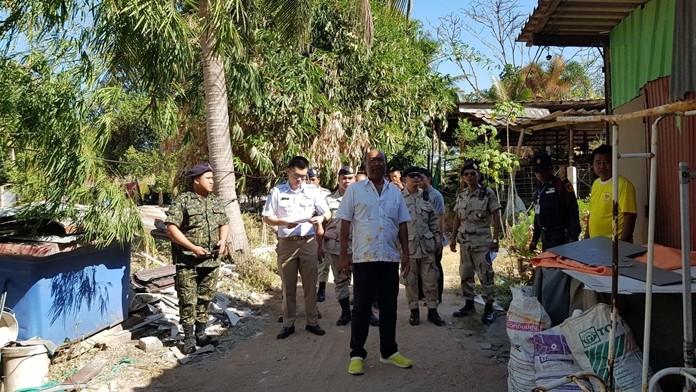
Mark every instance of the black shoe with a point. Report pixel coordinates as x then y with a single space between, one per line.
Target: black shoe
189 340
344 319
414 319
280 318
467 310
203 339
374 320
285 332
315 329
488 318
434 318
488 315
321 293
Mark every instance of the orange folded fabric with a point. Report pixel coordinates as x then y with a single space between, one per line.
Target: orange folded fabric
666 257
552 260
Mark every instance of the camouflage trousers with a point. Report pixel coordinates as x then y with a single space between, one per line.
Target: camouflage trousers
472 262
426 269
323 269
341 280
195 288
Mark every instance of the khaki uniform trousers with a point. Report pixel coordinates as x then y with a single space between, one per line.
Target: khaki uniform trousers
427 270
341 280
298 256
323 270
472 262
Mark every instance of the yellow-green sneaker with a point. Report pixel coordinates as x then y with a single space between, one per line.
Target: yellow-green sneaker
356 366
397 359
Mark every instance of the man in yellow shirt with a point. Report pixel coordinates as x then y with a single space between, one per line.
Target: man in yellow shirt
600 220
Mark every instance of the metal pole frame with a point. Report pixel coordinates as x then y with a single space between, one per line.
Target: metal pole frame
687 107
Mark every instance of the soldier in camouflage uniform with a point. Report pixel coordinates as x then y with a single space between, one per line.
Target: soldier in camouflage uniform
198 226
424 241
329 248
323 265
477 208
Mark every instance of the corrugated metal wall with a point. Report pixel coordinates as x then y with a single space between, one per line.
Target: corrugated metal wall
674 146
684 49
641 49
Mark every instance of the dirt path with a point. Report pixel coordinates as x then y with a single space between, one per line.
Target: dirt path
453 357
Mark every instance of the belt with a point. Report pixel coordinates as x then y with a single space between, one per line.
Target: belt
297 237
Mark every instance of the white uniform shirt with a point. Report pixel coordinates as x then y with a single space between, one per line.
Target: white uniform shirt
299 206
375 219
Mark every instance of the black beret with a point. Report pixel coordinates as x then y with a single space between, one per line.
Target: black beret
312 172
541 163
345 171
200 169
470 165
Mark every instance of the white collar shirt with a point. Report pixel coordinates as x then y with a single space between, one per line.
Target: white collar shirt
375 220
297 205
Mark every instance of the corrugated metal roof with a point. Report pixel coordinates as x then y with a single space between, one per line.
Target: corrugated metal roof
575 22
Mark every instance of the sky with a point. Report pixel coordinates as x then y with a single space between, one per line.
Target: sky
428 12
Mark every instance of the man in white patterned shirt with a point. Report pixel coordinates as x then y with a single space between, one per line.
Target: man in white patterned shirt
378 215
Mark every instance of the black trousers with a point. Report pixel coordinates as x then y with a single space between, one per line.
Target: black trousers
380 279
551 285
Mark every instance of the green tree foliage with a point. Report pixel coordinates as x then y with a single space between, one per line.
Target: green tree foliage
58 133
482 145
336 98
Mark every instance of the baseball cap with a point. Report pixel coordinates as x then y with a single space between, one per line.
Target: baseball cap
345 171
470 165
409 170
312 172
541 163
200 169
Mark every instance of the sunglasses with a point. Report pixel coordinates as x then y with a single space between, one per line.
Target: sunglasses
469 173
413 175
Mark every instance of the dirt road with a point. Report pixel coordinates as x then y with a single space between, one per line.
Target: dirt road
463 355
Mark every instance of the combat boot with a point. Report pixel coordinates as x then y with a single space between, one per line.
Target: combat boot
321 293
467 310
189 340
434 318
415 317
345 312
202 339
488 314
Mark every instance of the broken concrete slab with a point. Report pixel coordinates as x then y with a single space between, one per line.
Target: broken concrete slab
149 344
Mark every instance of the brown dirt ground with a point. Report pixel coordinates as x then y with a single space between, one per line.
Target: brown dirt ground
450 358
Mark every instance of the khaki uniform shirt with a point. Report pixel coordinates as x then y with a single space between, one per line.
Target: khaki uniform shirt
199 219
475 210
332 229
423 228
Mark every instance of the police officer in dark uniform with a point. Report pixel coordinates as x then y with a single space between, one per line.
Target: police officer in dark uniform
198 226
556 222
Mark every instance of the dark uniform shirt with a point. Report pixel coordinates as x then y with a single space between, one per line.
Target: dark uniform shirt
199 219
556 219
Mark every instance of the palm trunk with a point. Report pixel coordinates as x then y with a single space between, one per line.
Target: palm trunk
217 126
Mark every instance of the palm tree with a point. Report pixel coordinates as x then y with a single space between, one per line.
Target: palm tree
155 46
